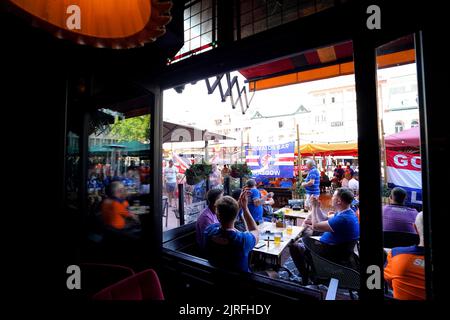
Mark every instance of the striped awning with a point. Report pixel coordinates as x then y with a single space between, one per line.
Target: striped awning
323 63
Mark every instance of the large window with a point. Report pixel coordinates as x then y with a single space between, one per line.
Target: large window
199 28
259 15
399 126
118 176
403 227
266 128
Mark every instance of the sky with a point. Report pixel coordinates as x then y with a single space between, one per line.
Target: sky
196 108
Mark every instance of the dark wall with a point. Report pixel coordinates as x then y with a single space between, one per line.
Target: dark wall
38 71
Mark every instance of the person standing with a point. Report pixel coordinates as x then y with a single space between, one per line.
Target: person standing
255 203
170 179
311 183
215 178
226 179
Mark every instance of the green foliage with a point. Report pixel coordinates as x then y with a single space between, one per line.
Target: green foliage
240 170
386 190
197 172
300 190
132 129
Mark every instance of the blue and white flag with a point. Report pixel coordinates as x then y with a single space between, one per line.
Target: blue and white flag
275 161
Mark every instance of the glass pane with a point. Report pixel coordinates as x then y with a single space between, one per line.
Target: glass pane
195 31
401 169
247 30
206 14
246 5
264 142
206 26
195 43
118 177
206 4
195 20
260 26
206 38
187 24
187 13
196 8
246 18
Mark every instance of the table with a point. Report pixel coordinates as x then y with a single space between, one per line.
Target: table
274 251
138 210
293 214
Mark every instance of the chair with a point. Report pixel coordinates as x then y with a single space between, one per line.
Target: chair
326 271
99 275
165 208
141 286
392 239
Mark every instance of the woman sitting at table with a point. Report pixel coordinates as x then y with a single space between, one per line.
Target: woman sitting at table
115 213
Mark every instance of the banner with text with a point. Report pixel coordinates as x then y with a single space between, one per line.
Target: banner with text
275 161
404 170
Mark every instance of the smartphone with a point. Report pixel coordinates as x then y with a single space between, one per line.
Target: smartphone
259 246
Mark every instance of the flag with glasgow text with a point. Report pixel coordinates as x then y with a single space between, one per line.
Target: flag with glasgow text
274 161
404 170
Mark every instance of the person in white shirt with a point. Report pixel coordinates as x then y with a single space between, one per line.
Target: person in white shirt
345 180
353 184
170 179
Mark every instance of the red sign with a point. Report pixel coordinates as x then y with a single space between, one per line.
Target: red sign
405 160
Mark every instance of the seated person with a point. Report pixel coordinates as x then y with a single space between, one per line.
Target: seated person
405 268
339 173
396 216
286 183
353 184
324 181
267 197
239 224
115 213
208 215
225 246
340 232
345 180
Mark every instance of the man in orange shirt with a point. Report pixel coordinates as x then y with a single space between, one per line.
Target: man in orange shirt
115 209
405 268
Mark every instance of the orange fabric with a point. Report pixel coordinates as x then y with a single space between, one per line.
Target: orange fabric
114 213
336 70
406 274
99 18
103 23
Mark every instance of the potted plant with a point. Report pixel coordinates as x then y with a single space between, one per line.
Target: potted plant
386 192
280 221
240 170
197 172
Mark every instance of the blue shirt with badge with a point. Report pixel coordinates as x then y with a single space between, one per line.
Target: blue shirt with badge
228 249
255 211
313 173
345 228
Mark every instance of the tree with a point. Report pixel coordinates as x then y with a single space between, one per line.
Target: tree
132 129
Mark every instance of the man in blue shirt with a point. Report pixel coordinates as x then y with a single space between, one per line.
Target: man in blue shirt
255 203
340 234
225 246
311 183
